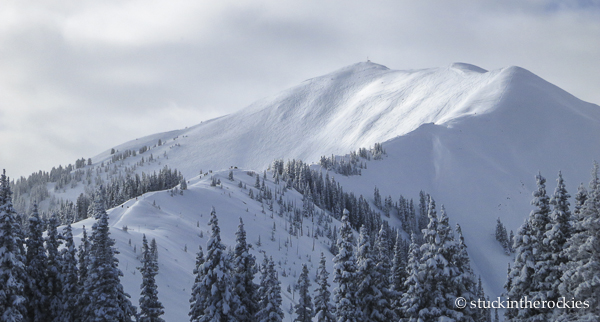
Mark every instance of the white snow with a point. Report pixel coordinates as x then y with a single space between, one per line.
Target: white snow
473 139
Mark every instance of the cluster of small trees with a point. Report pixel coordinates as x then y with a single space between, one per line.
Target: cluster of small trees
419 286
557 255
224 288
39 281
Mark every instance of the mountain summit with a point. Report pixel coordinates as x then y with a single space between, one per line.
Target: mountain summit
355 106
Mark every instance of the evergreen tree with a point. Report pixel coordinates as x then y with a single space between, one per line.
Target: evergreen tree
345 275
199 290
581 276
150 307
270 294
70 287
13 276
220 302
304 309
502 236
398 277
554 242
519 282
323 308
465 280
244 269
54 270
366 292
83 256
36 289
412 299
103 289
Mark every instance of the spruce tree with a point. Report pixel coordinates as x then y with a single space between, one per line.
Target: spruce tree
244 270
13 276
304 309
69 277
345 275
366 291
54 270
220 301
397 278
555 239
323 308
519 282
199 290
270 294
150 307
36 289
103 289
465 280
411 302
581 277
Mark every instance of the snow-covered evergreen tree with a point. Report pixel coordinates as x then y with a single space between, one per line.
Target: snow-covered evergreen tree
304 309
244 269
520 276
465 280
151 309
270 294
54 270
581 277
13 276
412 299
502 236
551 264
69 277
323 308
344 295
367 290
103 289
397 278
36 289
220 302
199 290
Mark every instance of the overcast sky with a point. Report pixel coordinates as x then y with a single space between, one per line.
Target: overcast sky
78 77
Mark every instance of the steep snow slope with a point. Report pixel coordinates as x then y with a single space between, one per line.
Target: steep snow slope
473 139
482 167
179 223
353 107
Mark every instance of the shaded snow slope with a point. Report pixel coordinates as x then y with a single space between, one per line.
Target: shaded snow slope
483 167
473 139
179 223
353 107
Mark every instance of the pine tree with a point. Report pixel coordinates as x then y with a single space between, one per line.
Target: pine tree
70 287
581 276
304 309
412 299
323 308
199 291
502 236
366 290
398 278
83 261
54 270
519 282
244 269
465 280
36 289
13 276
220 302
150 307
103 289
554 242
270 294
345 275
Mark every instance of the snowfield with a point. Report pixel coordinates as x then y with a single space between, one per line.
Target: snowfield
473 139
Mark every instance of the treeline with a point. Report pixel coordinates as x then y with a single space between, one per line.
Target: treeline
557 256
49 279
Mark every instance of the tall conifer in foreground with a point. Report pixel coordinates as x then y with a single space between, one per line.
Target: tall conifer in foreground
12 259
344 269
151 309
323 308
244 269
304 309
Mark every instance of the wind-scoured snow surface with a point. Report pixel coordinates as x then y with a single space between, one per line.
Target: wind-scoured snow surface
473 139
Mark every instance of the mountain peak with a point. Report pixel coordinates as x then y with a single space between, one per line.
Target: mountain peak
468 68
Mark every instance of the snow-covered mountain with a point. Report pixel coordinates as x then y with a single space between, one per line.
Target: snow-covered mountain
473 139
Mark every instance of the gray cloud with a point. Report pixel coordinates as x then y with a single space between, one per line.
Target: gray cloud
79 77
